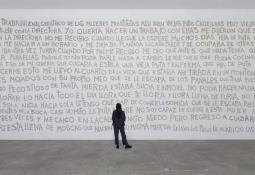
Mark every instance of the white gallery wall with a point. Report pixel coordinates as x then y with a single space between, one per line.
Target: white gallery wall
179 74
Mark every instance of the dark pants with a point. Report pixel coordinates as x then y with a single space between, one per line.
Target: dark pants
123 135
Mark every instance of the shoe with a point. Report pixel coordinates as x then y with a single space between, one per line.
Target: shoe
117 146
128 146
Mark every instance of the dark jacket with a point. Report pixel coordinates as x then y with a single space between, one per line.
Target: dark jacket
118 122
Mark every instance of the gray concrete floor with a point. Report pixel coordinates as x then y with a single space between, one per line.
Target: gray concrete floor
145 158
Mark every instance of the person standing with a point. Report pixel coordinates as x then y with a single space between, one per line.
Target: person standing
118 122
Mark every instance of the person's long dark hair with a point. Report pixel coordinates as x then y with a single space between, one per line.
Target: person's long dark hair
118 109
